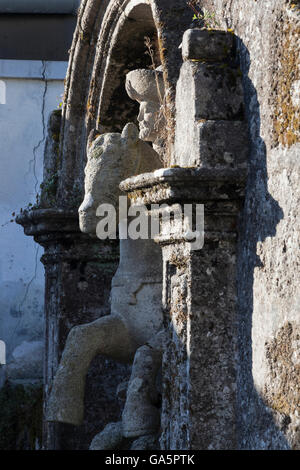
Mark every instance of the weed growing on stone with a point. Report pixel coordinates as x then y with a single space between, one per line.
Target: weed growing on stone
204 17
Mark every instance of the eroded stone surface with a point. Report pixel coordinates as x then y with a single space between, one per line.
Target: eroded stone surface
216 144
141 414
147 87
199 295
145 443
282 387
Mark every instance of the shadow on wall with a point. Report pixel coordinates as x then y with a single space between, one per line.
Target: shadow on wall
259 220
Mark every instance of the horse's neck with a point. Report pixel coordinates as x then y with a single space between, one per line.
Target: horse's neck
139 257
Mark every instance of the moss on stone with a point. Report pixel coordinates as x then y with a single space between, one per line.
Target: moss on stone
55 137
49 190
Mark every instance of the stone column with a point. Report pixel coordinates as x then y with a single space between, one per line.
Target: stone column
200 285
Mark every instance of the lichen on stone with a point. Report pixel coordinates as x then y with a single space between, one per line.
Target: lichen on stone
286 118
282 388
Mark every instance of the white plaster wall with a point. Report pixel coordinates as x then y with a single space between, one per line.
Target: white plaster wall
33 89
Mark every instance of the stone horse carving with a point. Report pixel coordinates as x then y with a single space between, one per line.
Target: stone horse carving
133 329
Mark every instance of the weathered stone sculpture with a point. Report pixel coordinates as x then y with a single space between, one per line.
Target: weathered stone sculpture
136 317
146 87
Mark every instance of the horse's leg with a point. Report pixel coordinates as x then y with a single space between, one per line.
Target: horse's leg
108 336
140 415
109 439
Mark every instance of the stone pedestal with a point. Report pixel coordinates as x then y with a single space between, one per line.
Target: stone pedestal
199 302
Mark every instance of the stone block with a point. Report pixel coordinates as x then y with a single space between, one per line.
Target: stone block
206 44
218 92
207 93
216 144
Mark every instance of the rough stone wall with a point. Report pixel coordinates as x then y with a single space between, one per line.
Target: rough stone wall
268 260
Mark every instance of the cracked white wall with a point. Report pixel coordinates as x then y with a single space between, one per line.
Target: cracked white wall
33 90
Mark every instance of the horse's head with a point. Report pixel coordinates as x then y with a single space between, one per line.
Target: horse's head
111 158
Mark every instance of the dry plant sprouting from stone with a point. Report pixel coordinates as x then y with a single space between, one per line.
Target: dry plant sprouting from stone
153 65
162 113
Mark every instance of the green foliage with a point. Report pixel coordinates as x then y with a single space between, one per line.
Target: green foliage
202 16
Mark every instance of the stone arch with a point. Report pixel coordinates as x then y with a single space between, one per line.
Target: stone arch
108 97
2 92
108 42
